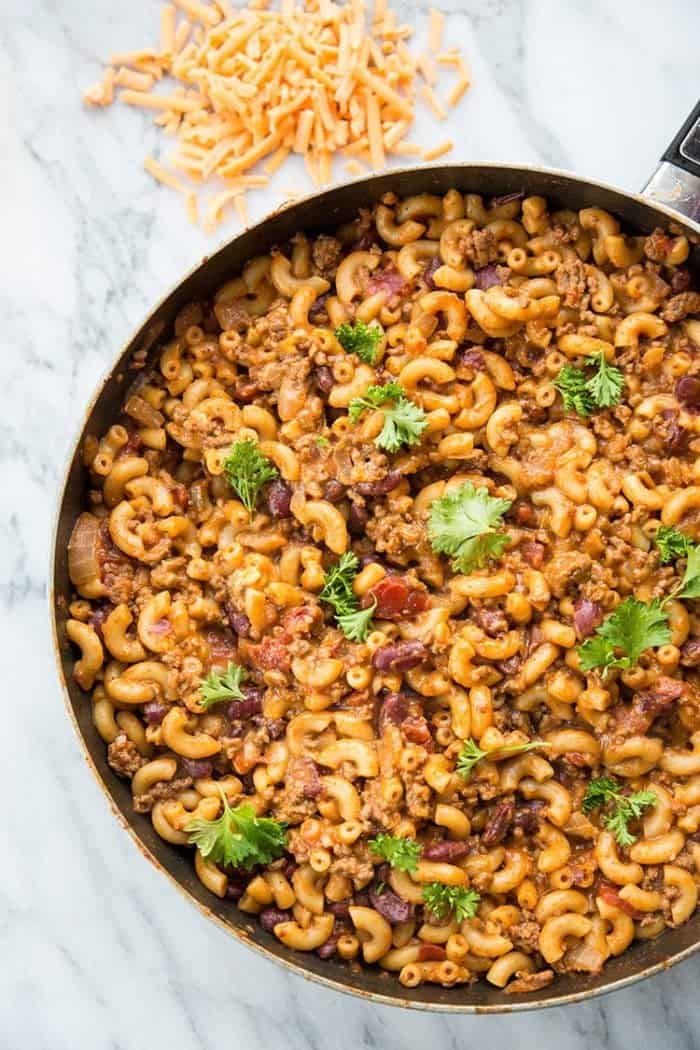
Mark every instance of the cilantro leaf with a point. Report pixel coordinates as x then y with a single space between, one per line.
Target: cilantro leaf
471 753
672 543
571 384
361 339
690 584
605 387
238 837
355 625
441 900
632 628
404 421
402 854
605 792
373 397
585 395
337 590
247 470
463 522
226 686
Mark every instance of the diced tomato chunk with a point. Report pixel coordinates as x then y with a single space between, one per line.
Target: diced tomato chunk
431 953
396 598
611 895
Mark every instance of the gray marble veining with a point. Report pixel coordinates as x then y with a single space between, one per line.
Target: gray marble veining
98 951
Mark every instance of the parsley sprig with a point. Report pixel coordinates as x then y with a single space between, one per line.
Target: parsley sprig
464 523
225 686
247 471
672 544
623 808
471 753
404 421
623 636
587 394
238 837
361 339
402 854
441 900
636 626
337 590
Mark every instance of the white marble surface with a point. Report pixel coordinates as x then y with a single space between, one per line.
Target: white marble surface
97 950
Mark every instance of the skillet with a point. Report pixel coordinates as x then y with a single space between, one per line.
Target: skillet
671 196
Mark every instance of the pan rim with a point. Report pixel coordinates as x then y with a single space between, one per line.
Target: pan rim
239 934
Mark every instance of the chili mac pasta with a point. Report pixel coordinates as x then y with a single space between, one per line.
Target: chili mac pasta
386 592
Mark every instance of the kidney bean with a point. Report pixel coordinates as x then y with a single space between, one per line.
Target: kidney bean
677 437
527 816
487 277
269 917
290 866
155 712
252 705
276 727
388 280
236 886
472 358
357 520
380 488
333 491
393 711
446 851
325 380
329 947
400 656
680 282
279 498
690 653
196 767
318 308
98 617
498 825
687 390
430 270
361 899
587 616
492 621
390 905
238 621
341 909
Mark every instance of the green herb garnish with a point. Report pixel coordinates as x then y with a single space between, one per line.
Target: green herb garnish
441 900
337 590
404 421
464 522
402 854
361 339
583 394
247 471
238 837
605 791
217 687
623 636
471 753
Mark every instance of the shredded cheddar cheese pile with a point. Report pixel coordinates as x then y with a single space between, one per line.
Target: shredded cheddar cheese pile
257 85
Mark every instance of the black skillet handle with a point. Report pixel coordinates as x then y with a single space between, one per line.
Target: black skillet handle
676 181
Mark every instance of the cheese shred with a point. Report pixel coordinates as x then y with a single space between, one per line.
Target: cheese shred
252 85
